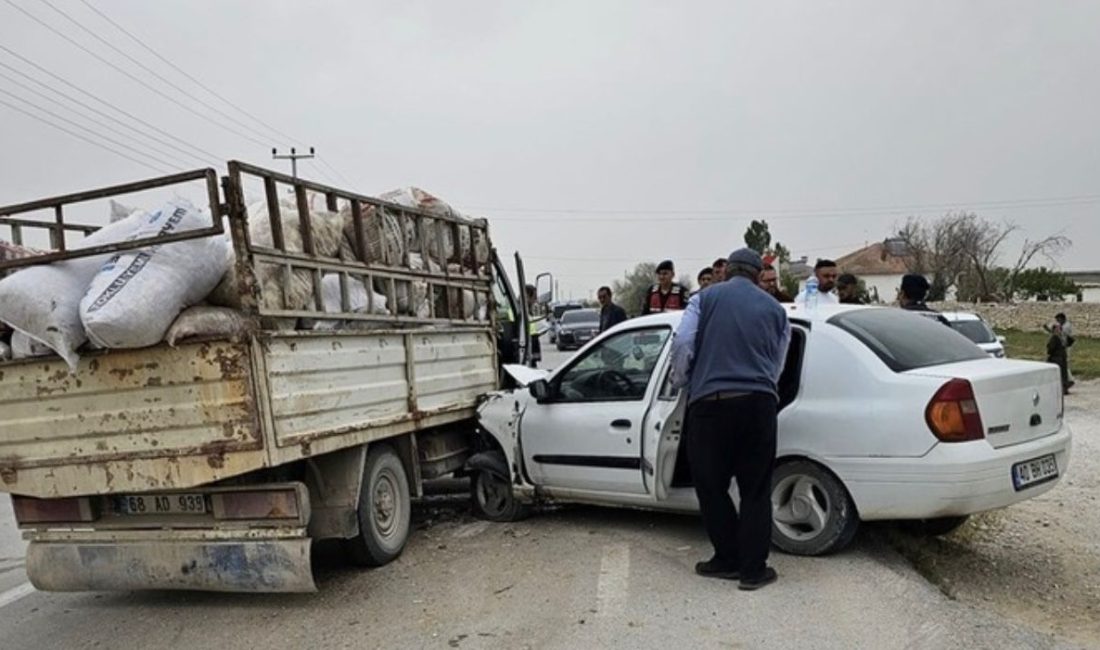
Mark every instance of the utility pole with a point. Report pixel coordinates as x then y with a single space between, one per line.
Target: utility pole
293 157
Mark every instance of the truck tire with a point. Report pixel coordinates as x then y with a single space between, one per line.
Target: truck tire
493 499
812 512
385 510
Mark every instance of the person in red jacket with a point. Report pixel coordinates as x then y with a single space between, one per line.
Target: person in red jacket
667 294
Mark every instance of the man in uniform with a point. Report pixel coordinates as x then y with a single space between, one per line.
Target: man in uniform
729 352
666 295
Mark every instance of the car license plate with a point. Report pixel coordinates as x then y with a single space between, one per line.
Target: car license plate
161 504
1036 470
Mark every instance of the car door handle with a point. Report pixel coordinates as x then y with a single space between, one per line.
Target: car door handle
620 424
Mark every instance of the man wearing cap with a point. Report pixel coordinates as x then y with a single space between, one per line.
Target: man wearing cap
729 351
666 295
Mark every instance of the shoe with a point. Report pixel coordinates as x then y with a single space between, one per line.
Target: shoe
752 584
715 568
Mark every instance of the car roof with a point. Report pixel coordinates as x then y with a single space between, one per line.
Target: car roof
795 312
960 315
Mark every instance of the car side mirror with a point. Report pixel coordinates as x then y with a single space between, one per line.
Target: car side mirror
1001 340
540 390
638 353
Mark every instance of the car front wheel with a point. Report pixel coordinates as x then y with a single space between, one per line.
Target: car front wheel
812 513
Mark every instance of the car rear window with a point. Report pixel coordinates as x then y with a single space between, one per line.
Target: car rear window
581 316
975 330
905 340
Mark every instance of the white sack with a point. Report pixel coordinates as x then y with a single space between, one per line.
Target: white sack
357 301
24 347
137 294
5 351
328 231
44 301
212 322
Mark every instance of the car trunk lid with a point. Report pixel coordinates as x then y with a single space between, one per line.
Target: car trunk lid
1018 400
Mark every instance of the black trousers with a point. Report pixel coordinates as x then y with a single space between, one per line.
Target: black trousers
735 438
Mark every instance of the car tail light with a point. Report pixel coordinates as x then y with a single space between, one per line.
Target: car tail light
258 504
29 510
953 413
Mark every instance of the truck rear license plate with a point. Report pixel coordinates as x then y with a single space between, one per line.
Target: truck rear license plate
161 504
1036 470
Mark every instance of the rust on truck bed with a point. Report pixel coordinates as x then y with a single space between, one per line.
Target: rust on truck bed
146 419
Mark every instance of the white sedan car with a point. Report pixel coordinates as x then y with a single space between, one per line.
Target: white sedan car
883 415
974 327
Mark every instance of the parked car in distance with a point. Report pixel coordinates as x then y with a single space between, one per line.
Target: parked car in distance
557 310
974 327
578 326
884 415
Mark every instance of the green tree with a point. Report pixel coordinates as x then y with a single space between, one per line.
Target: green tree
1044 284
758 237
630 290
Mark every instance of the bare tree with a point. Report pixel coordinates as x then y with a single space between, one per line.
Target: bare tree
935 251
963 250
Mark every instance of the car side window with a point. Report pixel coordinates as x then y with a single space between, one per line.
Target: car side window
617 368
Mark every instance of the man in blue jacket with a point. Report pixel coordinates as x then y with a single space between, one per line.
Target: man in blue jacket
729 352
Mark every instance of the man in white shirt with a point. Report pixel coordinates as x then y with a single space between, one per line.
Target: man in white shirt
826 273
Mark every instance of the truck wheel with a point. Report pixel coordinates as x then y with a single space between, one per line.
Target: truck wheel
812 513
385 510
493 498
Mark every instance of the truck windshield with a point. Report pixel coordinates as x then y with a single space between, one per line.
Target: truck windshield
905 340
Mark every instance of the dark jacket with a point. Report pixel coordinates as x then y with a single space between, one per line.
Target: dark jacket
610 316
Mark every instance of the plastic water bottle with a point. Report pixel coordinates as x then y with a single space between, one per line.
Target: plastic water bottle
811 293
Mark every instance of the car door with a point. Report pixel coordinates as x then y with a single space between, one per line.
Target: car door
666 423
586 434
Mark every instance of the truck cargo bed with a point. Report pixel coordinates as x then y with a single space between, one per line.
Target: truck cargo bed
168 418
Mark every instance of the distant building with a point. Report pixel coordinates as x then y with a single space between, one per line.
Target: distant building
880 265
1089 284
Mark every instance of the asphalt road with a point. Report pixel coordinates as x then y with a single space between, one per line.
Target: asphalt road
575 577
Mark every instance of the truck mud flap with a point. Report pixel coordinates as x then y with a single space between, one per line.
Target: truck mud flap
275 566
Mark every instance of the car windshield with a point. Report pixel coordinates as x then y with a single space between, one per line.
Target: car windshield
975 330
580 316
905 340
561 309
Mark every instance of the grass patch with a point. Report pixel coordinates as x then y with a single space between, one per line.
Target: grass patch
1084 357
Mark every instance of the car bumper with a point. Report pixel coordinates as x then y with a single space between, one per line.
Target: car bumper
952 479
96 562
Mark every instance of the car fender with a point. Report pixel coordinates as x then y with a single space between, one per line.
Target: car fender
499 417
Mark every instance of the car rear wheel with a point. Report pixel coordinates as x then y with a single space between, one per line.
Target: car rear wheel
812 512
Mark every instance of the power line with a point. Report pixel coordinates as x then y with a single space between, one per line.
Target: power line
82 137
823 213
173 100
184 73
205 154
200 84
150 70
343 178
78 125
99 123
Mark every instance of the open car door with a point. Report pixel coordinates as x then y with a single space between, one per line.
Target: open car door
661 446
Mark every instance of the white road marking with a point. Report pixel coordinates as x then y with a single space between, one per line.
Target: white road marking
614 581
15 593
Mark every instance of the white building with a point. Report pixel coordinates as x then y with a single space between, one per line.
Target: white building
1089 284
880 271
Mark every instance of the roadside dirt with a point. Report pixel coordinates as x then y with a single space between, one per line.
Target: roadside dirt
1037 562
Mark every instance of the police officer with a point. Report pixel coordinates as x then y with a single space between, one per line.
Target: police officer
666 295
729 352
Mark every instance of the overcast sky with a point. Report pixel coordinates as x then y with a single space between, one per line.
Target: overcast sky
572 126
